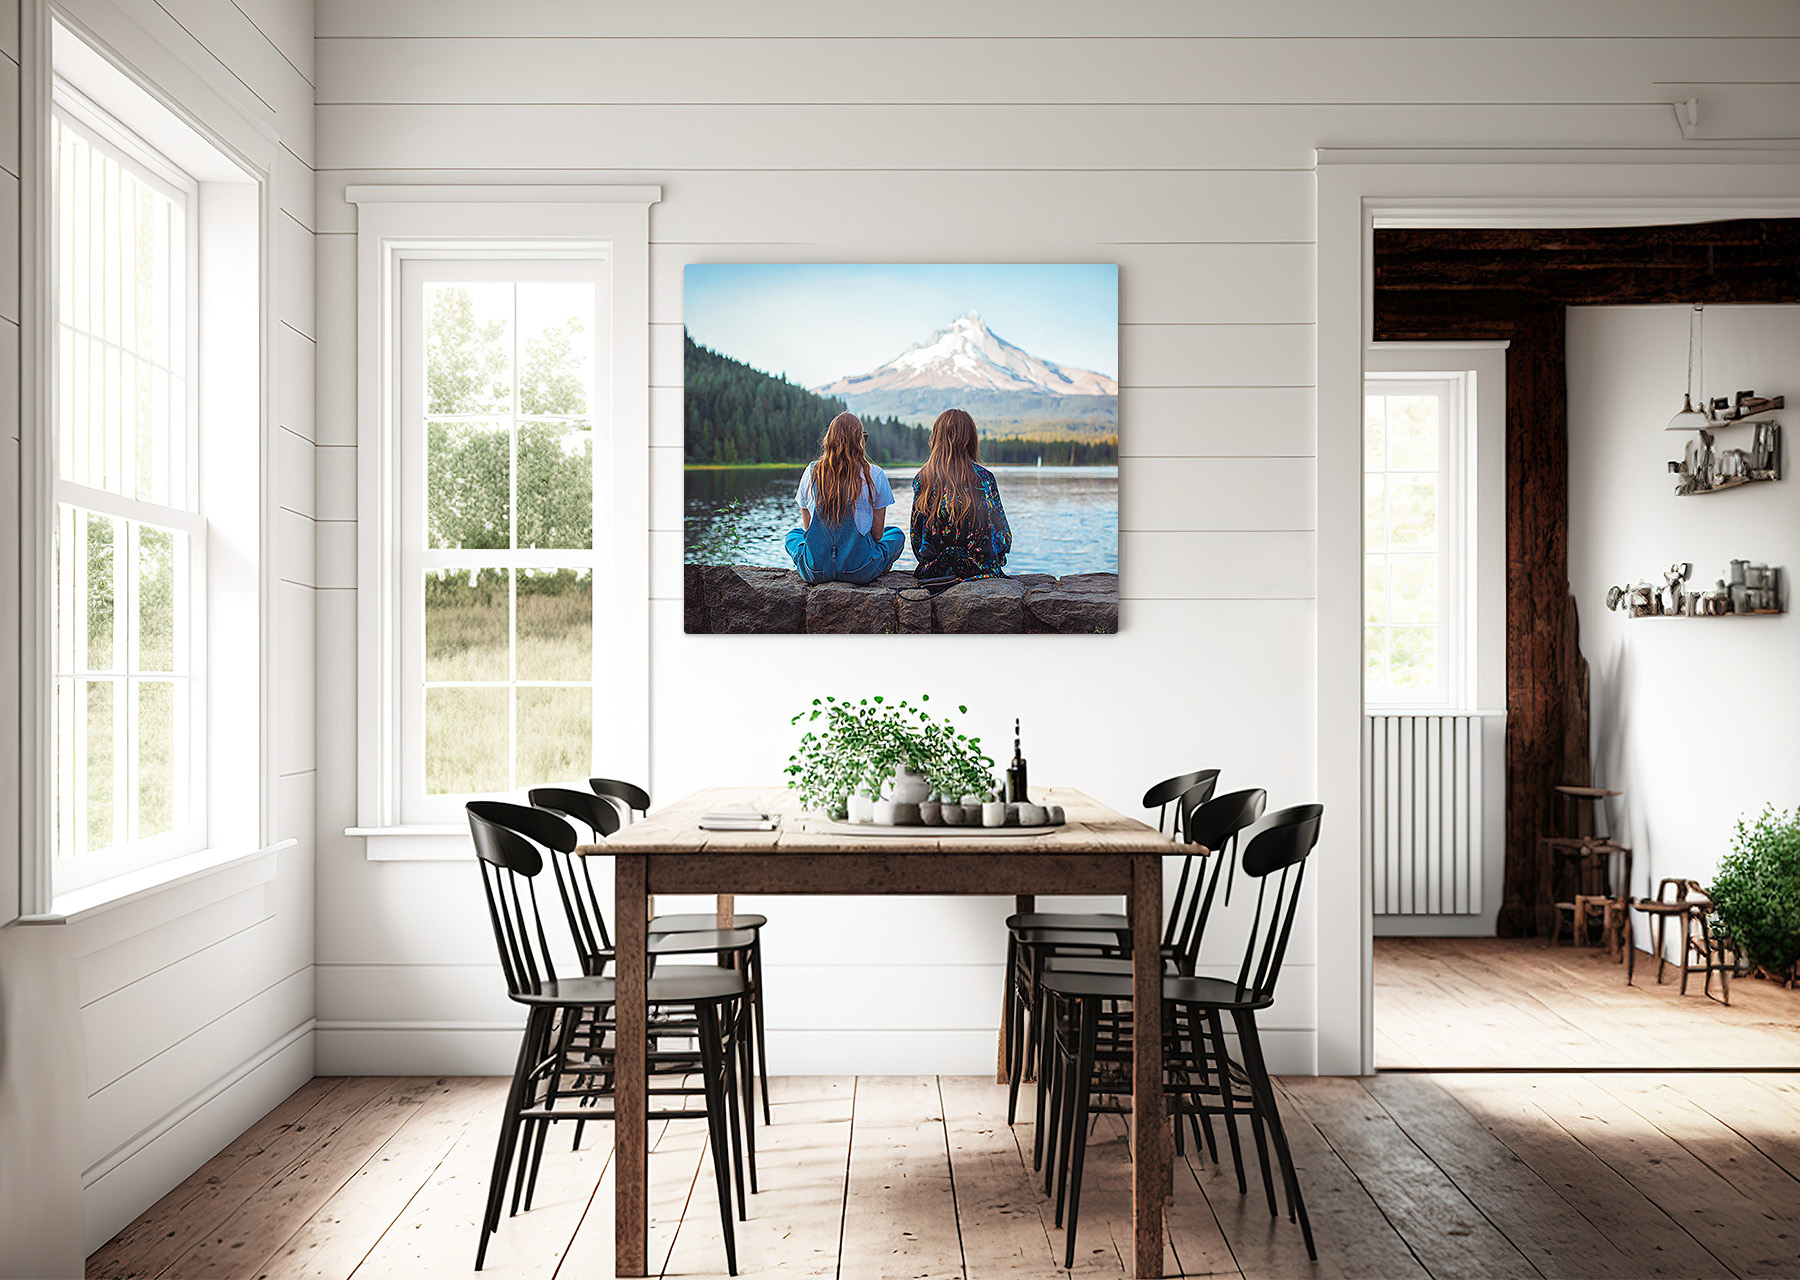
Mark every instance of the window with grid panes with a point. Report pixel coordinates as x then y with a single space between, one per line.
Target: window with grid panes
498 517
129 545
1413 541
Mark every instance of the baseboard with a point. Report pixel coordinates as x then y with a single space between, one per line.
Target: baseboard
162 1155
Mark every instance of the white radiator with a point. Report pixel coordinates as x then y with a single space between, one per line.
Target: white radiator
1422 787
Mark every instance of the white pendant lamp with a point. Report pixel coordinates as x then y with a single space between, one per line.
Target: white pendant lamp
1690 418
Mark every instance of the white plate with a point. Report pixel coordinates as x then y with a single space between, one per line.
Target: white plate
924 832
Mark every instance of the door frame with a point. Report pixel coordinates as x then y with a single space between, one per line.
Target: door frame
1358 190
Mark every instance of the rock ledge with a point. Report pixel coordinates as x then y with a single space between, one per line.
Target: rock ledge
748 600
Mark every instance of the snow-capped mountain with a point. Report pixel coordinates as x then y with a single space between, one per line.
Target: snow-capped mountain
969 357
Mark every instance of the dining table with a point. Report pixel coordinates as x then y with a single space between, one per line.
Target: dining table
1095 851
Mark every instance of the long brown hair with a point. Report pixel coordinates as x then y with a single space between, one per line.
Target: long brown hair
948 476
837 478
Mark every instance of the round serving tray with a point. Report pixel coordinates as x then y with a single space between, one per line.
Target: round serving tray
923 831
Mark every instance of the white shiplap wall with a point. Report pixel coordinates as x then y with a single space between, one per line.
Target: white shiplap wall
188 1014
1177 140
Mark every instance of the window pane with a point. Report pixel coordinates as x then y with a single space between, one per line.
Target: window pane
556 484
1375 657
555 734
468 479
1374 589
1412 433
1412 512
157 734
1374 433
466 740
156 596
1374 512
466 625
1413 597
468 348
556 624
99 761
556 326
1412 657
102 596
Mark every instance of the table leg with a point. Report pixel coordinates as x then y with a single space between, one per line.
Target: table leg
1149 1128
631 1156
1022 903
724 912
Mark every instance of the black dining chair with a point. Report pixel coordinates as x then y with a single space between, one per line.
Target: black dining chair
631 800
1214 826
561 1075
739 947
628 799
1032 936
1088 1034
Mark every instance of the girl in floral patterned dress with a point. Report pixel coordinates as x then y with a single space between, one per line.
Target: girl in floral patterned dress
959 528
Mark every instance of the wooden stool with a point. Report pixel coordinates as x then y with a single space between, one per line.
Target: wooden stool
1691 906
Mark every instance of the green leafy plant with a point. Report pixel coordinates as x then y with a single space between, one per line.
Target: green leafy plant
861 742
1756 893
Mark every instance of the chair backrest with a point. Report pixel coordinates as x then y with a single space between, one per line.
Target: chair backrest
1171 790
626 797
1275 857
508 843
574 875
1214 825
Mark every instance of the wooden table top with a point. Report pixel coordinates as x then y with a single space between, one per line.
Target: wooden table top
1090 828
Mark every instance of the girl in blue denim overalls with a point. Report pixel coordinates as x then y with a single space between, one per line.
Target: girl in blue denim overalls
843 511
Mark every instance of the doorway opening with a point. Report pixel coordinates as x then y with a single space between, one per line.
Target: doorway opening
1510 826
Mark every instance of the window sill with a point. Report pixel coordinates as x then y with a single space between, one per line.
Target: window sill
83 904
424 842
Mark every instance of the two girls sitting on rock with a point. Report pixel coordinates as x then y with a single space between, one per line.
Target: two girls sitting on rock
959 528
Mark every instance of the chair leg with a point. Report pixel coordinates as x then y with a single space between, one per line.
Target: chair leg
564 1036
1264 1089
1015 1030
1070 1085
1050 1081
1222 1060
1045 1109
509 1125
1079 1087
756 1005
533 1132
712 1068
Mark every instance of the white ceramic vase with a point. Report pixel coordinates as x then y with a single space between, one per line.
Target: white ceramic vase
908 787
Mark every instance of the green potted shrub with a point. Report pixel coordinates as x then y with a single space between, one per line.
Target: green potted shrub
1756 892
863 742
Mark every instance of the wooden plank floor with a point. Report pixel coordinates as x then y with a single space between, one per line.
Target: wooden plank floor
1507 1003
1406 1175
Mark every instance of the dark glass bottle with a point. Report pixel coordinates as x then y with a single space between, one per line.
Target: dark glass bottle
1017 792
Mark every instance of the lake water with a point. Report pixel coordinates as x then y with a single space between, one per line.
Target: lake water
1064 519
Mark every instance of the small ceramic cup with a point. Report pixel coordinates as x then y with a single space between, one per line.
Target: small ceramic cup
905 814
884 813
931 813
993 814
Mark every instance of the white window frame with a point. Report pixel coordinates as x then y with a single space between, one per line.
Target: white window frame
227 142
1455 537
396 224
112 139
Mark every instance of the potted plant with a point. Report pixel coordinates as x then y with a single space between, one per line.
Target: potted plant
871 741
1756 892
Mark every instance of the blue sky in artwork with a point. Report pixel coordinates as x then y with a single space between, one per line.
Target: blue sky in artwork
818 322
